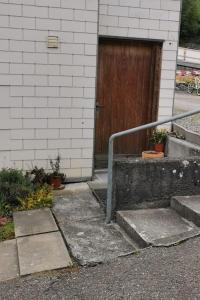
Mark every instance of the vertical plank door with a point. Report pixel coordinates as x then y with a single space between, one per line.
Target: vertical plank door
127 93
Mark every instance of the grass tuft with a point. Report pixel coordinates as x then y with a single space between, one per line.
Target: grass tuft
7 231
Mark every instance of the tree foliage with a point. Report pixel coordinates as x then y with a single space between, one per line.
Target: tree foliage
190 24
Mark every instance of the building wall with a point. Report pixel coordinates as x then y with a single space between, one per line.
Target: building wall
147 19
47 95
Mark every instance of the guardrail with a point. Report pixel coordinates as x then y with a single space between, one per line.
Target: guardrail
189 55
109 208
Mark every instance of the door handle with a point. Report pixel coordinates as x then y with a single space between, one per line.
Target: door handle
99 105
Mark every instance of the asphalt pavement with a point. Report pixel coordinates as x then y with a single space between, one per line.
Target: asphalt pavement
156 273
186 102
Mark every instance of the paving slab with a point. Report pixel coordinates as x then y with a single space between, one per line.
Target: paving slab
9 268
92 241
159 227
77 203
42 252
188 207
34 222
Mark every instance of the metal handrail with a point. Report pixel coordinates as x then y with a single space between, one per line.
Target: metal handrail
109 208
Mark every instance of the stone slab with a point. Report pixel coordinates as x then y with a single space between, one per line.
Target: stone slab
188 207
91 241
42 252
161 226
34 222
76 204
9 267
82 222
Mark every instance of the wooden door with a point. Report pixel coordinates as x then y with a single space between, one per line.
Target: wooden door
127 92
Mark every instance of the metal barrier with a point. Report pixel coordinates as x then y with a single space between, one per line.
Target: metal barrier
109 208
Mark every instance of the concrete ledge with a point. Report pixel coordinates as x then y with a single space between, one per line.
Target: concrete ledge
190 136
139 182
177 148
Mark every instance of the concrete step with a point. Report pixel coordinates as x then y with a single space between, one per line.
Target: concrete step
158 227
188 207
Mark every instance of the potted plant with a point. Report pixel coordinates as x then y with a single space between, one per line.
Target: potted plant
55 178
158 139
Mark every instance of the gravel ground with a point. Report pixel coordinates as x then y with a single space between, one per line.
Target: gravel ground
191 123
156 273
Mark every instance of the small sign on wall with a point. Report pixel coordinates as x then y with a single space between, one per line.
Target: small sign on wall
52 42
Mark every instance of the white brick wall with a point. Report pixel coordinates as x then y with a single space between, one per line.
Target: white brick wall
47 96
148 19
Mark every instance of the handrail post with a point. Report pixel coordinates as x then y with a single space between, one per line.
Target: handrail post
110 181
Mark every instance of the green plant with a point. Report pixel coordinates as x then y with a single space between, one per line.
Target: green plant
7 231
159 136
41 197
13 185
55 166
38 176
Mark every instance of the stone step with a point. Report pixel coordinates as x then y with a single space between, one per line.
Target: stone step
158 227
188 207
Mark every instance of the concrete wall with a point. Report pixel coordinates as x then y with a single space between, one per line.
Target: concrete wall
147 19
47 95
190 136
189 55
142 183
177 148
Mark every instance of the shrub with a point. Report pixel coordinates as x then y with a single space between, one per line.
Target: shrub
13 185
38 176
41 197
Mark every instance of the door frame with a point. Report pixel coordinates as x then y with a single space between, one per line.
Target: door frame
158 69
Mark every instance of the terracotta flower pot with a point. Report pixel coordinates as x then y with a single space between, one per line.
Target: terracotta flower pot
55 181
159 147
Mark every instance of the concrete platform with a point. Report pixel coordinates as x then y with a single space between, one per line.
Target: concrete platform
42 252
158 227
188 207
92 241
34 222
82 223
9 268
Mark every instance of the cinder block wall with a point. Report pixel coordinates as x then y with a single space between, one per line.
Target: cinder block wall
147 19
47 95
